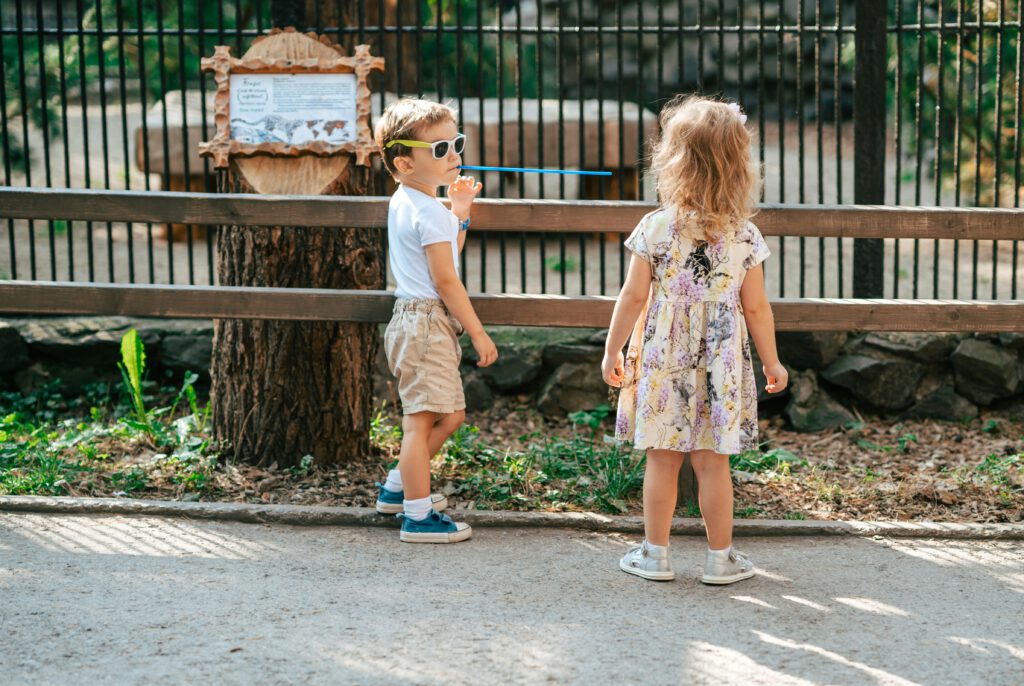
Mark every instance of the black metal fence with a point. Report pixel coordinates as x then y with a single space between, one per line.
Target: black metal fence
108 94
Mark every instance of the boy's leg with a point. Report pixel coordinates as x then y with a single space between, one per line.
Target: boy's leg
445 427
414 458
422 523
660 490
715 494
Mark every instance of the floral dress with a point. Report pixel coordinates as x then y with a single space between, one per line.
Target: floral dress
689 383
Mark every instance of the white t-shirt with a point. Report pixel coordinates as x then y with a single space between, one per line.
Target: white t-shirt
416 220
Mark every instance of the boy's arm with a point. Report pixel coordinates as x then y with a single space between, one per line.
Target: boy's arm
461 194
455 298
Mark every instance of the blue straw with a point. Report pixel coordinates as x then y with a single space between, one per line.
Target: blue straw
539 171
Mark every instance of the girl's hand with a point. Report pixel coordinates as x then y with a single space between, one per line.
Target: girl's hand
777 376
613 369
461 192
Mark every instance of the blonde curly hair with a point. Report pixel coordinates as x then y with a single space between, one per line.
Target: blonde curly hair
703 163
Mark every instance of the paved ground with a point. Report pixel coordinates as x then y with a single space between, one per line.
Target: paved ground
115 599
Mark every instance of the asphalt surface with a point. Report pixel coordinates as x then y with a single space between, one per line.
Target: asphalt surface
155 600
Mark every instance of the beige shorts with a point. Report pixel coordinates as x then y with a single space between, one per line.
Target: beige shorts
423 351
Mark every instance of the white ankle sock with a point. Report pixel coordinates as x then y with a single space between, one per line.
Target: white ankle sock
656 548
394 482
723 551
417 509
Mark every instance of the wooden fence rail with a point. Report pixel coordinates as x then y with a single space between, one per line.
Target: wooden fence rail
213 302
847 221
792 314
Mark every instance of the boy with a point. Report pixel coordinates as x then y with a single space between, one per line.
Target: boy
420 147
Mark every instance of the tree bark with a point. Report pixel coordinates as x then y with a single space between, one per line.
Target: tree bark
283 390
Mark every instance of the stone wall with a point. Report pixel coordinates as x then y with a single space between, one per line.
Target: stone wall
834 376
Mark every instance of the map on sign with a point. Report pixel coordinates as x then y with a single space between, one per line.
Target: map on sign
293 108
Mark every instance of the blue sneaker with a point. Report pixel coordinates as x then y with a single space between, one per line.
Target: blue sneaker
436 528
390 502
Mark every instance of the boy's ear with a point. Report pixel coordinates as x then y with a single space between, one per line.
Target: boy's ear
403 164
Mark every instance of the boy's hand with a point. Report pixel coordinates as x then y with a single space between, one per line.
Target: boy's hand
462 192
777 376
485 349
613 369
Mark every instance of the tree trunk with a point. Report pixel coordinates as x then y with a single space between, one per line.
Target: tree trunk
282 390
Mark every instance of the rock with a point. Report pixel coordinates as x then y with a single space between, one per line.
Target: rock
478 393
885 383
571 388
928 347
1013 341
560 353
73 377
516 367
191 352
86 340
599 338
985 372
809 350
812 409
943 403
13 351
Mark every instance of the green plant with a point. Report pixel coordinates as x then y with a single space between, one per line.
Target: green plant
47 69
304 466
188 393
592 418
130 480
991 426
905 440
691 510
999 467
555 263
770 460
132 366
975 156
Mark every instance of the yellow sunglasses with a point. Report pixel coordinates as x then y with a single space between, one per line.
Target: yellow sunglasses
439 149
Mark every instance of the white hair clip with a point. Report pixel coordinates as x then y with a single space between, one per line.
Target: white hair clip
735 108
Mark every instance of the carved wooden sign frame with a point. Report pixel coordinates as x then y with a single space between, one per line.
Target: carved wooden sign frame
223 65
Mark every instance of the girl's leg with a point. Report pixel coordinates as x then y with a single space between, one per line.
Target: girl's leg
714 483
661 487
414 458
445 427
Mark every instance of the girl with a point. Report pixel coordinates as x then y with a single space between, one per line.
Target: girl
694 289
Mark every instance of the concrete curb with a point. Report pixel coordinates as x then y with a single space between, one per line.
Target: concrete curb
307 515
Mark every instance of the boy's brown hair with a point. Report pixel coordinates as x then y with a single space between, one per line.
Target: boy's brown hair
404 120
